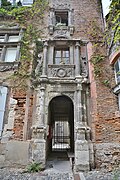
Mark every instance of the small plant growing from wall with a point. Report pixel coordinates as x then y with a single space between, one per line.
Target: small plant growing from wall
34 167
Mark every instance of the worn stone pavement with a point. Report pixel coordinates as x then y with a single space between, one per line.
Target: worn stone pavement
58 170
55 170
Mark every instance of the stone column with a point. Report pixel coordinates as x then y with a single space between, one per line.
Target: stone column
79 103
8 128
44 68
21 34
71 54
51 23
40 100
77 59
39 131
38 145
51 16
119 101
42 106
18 52
3 53
51 53
81 145
81 150
70 22
70 18
84 107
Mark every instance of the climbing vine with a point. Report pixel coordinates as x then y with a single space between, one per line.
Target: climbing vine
27 18
96 36
113 25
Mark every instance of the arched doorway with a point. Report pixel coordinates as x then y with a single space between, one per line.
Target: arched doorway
61 125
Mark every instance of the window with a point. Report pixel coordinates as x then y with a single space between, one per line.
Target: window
3 95
119 101
117 71
61 56
0 51
61 18
13 39
2 38
27 2
9 47
10 54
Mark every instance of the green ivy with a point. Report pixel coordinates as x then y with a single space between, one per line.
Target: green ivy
113 23
26 17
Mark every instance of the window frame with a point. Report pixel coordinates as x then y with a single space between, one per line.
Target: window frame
117 76
62 57
9 43
2 111
61 14
8 54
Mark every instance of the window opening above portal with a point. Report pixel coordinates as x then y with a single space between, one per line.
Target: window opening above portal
61 18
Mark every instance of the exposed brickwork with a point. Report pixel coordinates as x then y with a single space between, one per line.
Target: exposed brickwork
30 116
19 118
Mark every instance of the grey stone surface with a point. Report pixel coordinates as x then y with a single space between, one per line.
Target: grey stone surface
17 174
103 175
17 152
53 174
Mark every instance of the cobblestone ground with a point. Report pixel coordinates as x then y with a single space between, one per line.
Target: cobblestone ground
103 175
18 174
51 174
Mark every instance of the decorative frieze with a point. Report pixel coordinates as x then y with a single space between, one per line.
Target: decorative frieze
61 71
7 66
60 5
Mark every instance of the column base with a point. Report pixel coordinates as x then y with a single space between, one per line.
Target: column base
81 155
39 152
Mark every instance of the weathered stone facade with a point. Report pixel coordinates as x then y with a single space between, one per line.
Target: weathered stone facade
64 74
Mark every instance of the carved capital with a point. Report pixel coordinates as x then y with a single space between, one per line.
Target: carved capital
38 132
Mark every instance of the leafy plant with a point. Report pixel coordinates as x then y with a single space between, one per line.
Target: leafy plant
27 18
113 24
116 175
34 167
97 58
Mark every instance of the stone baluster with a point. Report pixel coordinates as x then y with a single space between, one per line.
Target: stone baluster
45 51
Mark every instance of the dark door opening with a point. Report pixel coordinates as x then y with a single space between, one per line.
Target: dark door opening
61 125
